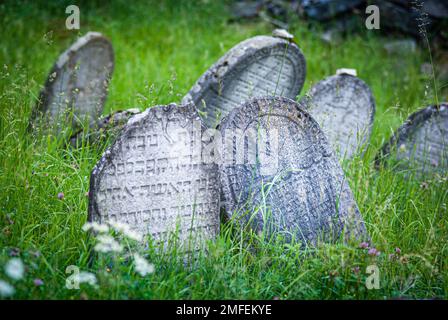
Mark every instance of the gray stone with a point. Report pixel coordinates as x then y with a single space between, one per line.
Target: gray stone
344 107
436 8
77 86
104 128
245 9
420 145
282 33
398 18
327 9
153 179
281 175
256 67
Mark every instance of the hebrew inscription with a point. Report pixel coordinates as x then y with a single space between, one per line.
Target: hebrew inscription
152 178
344 107
305 197
256 67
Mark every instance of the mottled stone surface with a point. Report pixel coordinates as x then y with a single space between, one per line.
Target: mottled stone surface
421 144
326 9
256 67
344 107
296 187
104 128
153 179
76 88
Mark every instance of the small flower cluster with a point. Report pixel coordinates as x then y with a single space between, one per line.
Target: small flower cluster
396 254
371 250
116 226
106 243
142 266
15 270
126 230
86 277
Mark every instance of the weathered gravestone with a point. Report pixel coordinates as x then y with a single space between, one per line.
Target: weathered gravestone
104 128
152 178
420 145
344 107
279 174
256 67
77 85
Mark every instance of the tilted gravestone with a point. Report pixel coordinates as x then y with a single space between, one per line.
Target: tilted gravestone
420 145
153 179
77 86
256 67
279 174
344 107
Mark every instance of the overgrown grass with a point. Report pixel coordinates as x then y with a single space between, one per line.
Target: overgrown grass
161 48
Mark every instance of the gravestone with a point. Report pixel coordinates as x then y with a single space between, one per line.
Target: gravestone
279 174
77 86
344 107
256 67
152 178
104 128
420 145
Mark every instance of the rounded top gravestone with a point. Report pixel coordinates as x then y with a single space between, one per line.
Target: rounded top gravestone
279 173
77 84
153 179
421 143
344 107
258 66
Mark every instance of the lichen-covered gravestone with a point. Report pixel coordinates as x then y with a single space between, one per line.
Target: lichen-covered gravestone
344 107
420 145
77 86
256 67
280 174
153 179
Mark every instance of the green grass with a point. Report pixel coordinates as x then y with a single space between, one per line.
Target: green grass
161 49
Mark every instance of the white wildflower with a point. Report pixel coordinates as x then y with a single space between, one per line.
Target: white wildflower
126 230
15 269
6 290
95 226
86 277
142 266
402 148
107 243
